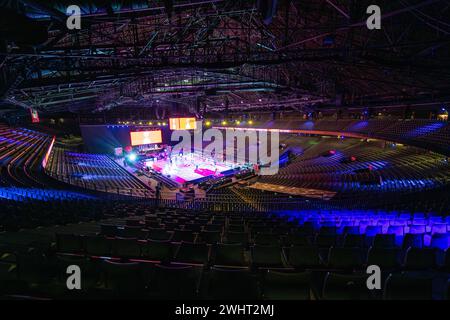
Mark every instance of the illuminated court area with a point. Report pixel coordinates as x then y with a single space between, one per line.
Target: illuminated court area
190 167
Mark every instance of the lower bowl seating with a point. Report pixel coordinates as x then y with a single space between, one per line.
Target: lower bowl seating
299 264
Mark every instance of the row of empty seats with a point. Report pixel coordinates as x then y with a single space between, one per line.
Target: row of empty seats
95 172
43 277
306 248
391 169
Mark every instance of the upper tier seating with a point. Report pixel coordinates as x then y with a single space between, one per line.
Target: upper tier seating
21 154
428 134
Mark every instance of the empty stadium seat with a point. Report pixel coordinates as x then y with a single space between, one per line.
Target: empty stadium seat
351 230
440 241
267 239
124 279
232 255
385 258
149 224
183 235
159 251
446 263
175 282
345 287
414 240
303 257
108 230
243 284
97 246
328 230
407 287
133 222
286 286
420 259
213 227
159 234
236 228
126 248
326 241
210 237
192 253
69 243
354 240
372 231
133 232
384 241
237 237
35 268
417 229
345 258
297 240
266 256
8 277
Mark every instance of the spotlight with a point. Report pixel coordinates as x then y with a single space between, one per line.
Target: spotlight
250 122
208 123
224 123
238 122
132 157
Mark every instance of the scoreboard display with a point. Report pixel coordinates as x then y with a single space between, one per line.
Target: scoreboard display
139 138
182 123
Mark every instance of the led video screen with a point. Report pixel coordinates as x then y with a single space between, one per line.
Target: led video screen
182 124
145 137
34 116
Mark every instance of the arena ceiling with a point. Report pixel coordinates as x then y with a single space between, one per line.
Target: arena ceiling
224 55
